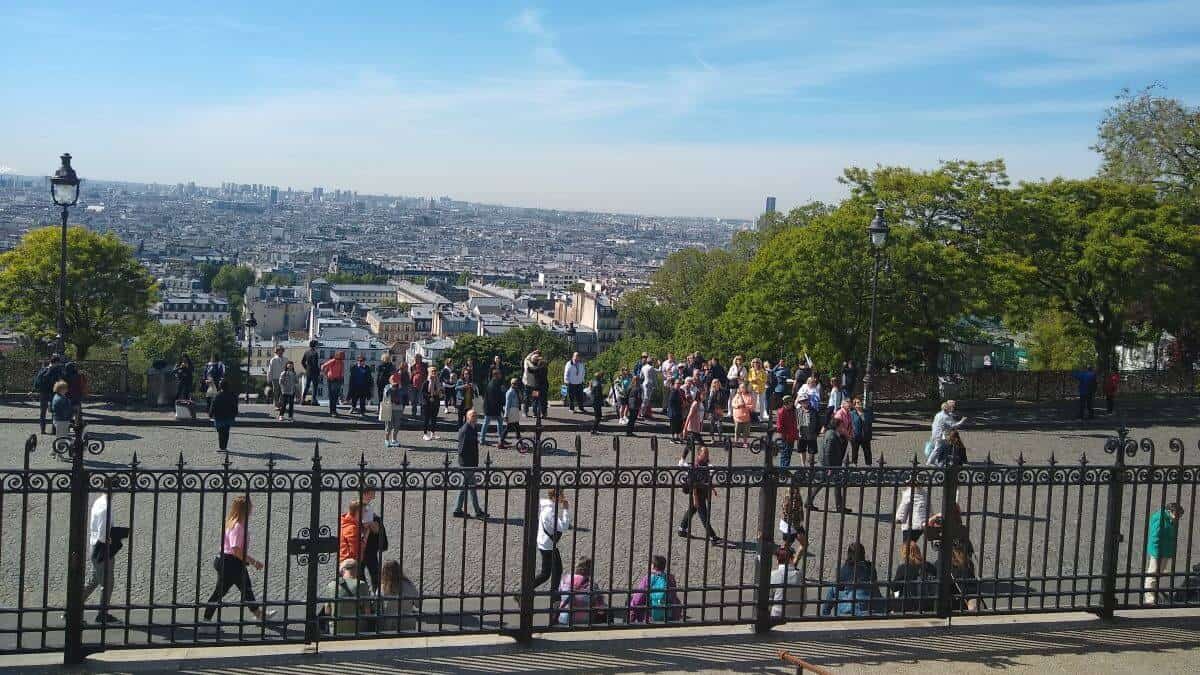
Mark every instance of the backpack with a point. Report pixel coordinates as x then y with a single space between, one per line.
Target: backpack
658 597
39 381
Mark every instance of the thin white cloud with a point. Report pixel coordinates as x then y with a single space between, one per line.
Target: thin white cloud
1100 64
529 22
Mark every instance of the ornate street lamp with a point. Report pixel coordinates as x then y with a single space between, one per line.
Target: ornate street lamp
878 231
251 324
64 189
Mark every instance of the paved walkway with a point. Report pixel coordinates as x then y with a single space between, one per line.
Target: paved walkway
1161 642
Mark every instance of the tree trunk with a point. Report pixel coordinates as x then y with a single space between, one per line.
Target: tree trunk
932 352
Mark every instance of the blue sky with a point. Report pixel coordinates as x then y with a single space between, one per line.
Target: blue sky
651 107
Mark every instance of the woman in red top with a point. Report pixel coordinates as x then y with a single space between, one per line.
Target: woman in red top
1110 390
789 432
350 534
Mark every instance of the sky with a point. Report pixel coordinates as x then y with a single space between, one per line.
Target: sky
664 108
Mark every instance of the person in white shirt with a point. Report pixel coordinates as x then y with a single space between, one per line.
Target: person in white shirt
667 371
101 567
274 369
575 374
944 422
913 512
787 586
649 387
554 518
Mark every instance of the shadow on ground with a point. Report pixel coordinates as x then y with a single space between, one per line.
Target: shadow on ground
938 647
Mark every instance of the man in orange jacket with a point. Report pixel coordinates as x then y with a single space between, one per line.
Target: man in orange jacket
350 533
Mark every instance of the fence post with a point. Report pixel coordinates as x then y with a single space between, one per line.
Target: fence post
945 601
76 544
524 634
1112 521
312 632
766 540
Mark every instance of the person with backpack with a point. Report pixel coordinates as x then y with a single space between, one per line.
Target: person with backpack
554 518
352 609
43 383
655 599
211 380
582 603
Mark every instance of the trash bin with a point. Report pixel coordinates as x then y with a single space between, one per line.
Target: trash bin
159 381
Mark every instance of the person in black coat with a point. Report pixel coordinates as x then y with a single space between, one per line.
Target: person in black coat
383 373
223 412
915 582
468 458
183 378
675 411
44 382
493 404
310 362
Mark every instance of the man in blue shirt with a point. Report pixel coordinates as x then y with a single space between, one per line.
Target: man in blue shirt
780 375
1087 392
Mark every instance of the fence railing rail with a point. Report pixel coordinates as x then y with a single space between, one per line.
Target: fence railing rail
794 543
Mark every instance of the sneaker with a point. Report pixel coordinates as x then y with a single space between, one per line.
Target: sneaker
715 540
459 514
482 515
105 617
426 437
269 614
683 533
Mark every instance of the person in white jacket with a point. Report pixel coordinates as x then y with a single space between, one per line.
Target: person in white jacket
554 518
274 370
787 584
574 375
913 512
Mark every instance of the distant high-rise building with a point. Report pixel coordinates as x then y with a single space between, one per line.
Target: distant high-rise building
317 193
274 196
770 205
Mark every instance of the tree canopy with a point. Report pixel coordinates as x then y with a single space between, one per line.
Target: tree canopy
108 291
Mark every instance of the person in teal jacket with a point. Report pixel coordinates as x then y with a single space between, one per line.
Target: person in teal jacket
1160 547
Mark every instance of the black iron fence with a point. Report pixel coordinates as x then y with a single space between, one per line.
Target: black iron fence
995 539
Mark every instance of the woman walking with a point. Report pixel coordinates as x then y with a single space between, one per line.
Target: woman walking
288 385
231 566
693 424
716 408
700 493
674 410
224 412
554 518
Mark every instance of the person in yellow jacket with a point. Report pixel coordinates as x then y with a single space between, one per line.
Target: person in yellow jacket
757 379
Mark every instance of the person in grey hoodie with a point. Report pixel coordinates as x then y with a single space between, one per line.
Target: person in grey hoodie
287 385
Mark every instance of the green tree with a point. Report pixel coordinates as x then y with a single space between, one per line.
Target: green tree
464 278
1096 249
642 315
207 272
624 353
108 292
1150 139
159 342
1058 341
353 278
218 337
275 279
232 281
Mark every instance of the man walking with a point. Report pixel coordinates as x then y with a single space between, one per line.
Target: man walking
468 459
575 374
103 553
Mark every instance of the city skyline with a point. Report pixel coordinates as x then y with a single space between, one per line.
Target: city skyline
665 110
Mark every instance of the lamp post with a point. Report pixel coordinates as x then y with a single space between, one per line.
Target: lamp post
64 190
251 324
878 230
